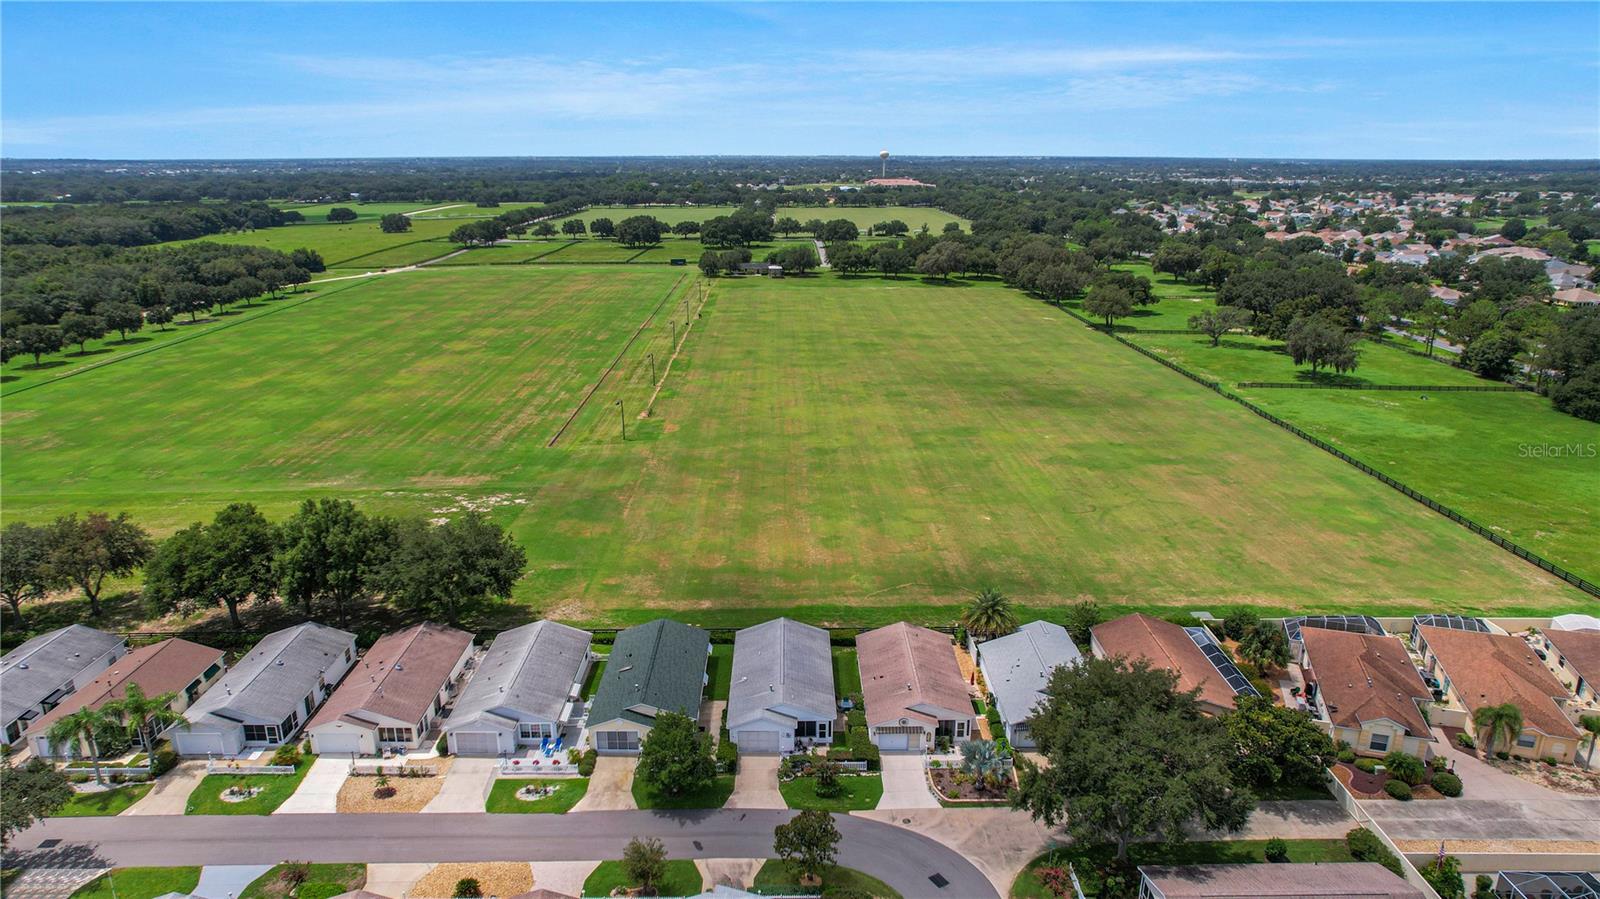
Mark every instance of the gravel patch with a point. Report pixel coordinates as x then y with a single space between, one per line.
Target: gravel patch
411 793
496 879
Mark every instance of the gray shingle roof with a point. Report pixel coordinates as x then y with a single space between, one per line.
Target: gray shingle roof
529 668
38 667
1018 665
270 681
661 664
781 663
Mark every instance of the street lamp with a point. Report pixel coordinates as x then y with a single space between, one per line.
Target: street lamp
622 417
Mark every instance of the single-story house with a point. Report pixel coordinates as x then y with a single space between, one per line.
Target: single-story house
913 688
269 692
1365 690
653 668
525 689
1347 880
1575 296
1574 658
394 694
36 676
1477 669
782 690
171 666
1017 668
1189 652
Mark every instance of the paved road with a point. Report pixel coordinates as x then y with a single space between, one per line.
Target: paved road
1488 819
901 858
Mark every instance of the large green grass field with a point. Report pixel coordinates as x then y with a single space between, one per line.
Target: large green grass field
847 450
867 216
357 245
669 214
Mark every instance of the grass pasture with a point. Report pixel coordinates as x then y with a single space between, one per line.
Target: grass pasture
865 217
669 214
840 450
318 212
1244 357
358 244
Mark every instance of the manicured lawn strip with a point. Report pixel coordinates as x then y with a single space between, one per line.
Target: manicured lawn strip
714 796
861 791
207 797
846 671
592 250
669 214
322 881
776 876
317 213
719 668
140 883
1085 858
107 802
1243 357
518 253
503 795
682 879
591 682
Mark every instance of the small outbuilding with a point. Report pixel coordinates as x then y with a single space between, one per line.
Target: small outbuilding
41 673
525 690
395 693
782 691
653 668
268 694
1017 668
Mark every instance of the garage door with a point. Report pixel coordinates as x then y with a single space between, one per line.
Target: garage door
336 744
757 741
894 742
198 744
476 743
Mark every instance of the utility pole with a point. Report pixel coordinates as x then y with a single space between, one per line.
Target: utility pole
652 369
674 332
622 418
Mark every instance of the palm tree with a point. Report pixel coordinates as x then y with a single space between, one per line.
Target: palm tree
1590 723
1495 720
77 730
145 716
981 759
989 615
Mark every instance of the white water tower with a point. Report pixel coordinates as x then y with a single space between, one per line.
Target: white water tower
884 156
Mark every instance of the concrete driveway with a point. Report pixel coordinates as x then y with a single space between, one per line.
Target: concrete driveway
227 881
465 787
611 787
756 784
318 793
394 879
904 783
170 795
1480 780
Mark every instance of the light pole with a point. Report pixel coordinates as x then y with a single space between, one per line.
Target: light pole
622 418
674 332
652 369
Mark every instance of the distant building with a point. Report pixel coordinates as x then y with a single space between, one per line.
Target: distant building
896 182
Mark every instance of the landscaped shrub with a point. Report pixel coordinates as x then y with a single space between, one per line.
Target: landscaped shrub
586 762
1502 754
1397 789
855 718
1483 887
1405 766
1465 741
443 746
1446 783
1055 879
1444 875
727 754
287 754
1550 760
1347 755
1367 765
468 888
862 748
1438 763
163 760
1365 846
1277 850
295 873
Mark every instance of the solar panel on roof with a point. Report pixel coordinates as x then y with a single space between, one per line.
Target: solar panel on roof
1219 659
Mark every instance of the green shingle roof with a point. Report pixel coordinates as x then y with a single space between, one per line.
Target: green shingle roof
661 665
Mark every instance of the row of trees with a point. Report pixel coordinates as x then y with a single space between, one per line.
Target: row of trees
67 225
321 560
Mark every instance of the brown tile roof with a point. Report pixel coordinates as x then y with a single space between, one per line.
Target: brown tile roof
1581 649
1493 669
399 676
1167 646
1323 880
903 666
164 667
1364 677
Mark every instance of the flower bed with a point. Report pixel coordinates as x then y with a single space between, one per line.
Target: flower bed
952 785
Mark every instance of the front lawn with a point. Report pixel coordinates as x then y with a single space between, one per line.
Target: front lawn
683 879
861 791
106 802
1092 862
320 881
777 877
713 796
140 883
275 788
503 795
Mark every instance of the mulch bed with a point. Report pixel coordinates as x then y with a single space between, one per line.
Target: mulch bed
1370 786
944 780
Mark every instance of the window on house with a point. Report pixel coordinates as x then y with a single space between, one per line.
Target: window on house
806 728
260 733
535 730
824 730
212 671
1379 743
394 735
1527 740
311 701
347 655
288 725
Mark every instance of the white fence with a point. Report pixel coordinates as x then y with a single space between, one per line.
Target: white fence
521 767
215 767
1353 806
392 768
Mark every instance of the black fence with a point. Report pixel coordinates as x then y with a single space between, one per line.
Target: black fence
1415 388
1520 552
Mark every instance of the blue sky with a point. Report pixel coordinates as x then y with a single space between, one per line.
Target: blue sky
1380 80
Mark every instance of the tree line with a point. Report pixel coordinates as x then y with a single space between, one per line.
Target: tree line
321 560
